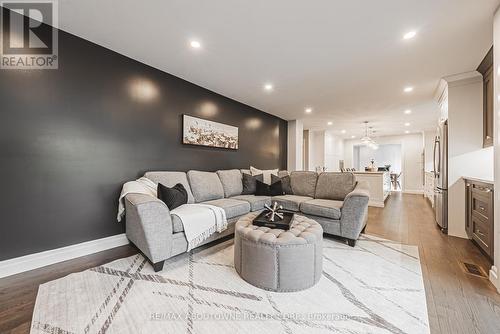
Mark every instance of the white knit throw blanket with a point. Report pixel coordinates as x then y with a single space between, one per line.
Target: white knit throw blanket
200 221
140 186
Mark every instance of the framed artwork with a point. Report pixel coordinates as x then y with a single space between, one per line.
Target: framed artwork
198 131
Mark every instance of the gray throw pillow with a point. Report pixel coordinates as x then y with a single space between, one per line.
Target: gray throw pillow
285 183
250 183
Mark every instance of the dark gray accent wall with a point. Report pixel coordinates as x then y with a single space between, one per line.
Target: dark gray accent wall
69 138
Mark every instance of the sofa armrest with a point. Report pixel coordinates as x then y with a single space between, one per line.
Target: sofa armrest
355 211
149 226
362 189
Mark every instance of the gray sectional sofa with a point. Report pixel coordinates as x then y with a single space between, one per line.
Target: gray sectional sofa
335 200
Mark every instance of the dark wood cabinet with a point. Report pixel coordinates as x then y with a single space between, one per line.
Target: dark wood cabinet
488 94
479 215
486 69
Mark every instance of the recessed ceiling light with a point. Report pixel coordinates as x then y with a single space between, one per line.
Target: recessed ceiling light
407 124
308 110
353 136
330 123
269 87
407 132
410 34
408 111
343 131
408 89
195 44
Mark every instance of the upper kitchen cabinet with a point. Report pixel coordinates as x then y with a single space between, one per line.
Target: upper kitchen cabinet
486 69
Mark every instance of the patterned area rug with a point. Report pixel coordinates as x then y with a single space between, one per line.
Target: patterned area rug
375 287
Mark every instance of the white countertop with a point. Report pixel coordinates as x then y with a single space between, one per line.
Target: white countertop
362 172
478 179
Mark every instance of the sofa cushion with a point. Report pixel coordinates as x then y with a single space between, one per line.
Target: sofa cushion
335 186
205 185
231 182
291 202
170 179
256 202
232 207
322 208
303 183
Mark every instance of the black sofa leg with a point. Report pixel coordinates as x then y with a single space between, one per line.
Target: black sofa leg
158 266
351 242
363 230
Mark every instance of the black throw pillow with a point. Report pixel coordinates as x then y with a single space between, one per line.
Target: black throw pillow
276 188
264 189
285 182
172 197
250 183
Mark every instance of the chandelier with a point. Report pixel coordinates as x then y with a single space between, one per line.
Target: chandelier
366 140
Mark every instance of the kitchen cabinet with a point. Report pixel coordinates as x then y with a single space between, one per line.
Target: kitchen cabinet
429 187
479 223
380 186
486 69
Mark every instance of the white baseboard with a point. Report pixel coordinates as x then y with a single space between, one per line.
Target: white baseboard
414 192
32 261
376 204
494 278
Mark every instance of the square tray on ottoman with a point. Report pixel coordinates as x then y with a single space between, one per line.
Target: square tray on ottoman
283 224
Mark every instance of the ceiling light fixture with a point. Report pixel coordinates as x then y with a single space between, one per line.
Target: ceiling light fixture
407 111
410 34
407 124
366 140
343 131
308 110
408 89
407 132
268 87
195 44
330 123
353 136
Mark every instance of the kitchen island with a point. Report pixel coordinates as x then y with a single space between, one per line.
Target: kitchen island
380 186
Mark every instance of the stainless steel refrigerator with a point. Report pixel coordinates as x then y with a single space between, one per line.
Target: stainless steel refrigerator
441 176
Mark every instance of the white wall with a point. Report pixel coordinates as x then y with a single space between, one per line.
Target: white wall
317 152
411 147
387 154
326 150
295 143
494 272
306 149
466 157
334 151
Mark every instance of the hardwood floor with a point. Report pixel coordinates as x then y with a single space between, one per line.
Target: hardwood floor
456 302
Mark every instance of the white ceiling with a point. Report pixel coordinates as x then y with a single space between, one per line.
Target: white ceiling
345 59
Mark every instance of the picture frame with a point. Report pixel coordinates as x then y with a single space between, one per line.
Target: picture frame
203 132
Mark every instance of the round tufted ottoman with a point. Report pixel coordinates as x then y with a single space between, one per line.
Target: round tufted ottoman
279 260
